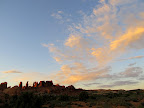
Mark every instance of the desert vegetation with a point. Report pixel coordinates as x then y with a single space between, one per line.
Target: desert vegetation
85 99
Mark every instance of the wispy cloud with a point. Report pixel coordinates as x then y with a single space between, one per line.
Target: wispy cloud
132 64
57 15
61 16
135 57
11 71
111 29
119 83
91 84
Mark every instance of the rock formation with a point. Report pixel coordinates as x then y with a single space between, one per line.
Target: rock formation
71 87
49 83
27 84
3 86
35 84
20 85
41 84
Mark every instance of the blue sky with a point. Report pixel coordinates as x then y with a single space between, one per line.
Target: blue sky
27 24
80 42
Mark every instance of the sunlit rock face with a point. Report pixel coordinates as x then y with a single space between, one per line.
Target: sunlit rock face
35 84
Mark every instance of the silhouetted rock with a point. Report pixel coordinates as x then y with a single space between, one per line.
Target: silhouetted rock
44 84
20 85
3 86
27 84
71 87
49 83
40 87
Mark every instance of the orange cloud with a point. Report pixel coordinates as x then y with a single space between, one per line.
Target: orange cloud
86 76
130 37
12 71
109 31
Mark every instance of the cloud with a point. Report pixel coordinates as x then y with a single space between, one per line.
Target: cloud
12 71
119 83
76 41
83 75
142 78
120 2
131 37
66 69
57 59
132 72
120 46
113 28
135 57
132 64
53 49
90 84
61 16
57 15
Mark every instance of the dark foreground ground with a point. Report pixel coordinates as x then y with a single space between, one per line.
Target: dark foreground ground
69 99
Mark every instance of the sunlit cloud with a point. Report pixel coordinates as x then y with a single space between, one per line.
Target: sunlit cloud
11 71
113 28
75 74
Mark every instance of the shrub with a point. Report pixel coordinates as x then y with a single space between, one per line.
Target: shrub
83 96
142 103
1 101
106 105
94 96
141 106
26 100
48 97
64 98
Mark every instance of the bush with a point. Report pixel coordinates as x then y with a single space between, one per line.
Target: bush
48 97
106 105
64 98
25 100
1 101
83 96
94 96
141 106
142 103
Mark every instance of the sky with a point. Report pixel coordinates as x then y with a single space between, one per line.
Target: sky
91 44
